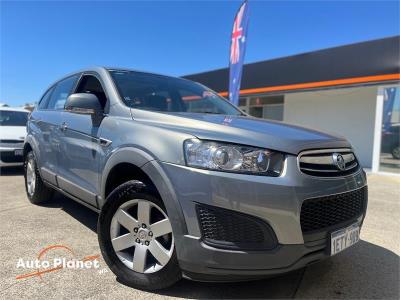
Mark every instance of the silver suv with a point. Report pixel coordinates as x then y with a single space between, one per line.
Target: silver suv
186 184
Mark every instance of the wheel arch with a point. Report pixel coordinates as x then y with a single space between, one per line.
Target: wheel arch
124 172
140 165
31 145
27 149
125 157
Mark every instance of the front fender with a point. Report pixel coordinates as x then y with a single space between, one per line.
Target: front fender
167 192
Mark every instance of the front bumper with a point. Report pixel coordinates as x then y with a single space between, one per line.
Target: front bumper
275 200
8 157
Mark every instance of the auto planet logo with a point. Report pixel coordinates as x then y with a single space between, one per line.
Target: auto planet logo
57 262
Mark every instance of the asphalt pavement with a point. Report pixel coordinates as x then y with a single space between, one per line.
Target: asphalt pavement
370 269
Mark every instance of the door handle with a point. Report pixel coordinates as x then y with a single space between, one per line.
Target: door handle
104 142
64 126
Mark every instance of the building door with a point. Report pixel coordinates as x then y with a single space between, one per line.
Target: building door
389 160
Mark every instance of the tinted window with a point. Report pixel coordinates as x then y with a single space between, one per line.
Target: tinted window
45 99
13 118
167 94
61 93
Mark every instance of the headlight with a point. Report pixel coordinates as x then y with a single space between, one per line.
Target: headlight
232 158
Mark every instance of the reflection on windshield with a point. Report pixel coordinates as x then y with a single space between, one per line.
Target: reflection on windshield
167 94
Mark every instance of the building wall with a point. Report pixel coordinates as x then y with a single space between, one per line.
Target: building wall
348 112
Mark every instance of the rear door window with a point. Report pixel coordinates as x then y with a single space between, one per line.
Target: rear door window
61 93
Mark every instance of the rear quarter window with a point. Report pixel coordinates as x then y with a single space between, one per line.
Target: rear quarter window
45 99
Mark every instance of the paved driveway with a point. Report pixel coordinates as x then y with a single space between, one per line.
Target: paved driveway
368 270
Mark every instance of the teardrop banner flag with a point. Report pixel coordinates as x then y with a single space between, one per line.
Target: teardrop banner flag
237 52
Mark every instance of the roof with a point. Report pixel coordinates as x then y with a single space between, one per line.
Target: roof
368 62
120 69
103 70
13 109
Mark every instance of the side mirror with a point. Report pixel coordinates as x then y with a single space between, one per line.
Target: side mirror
83 103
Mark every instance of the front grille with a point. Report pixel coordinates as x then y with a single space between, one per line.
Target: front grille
11 141
323 162
10 157
321 213
225 228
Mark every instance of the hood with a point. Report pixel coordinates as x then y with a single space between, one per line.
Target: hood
243 130
12 132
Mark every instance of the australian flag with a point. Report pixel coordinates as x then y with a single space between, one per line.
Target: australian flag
238 48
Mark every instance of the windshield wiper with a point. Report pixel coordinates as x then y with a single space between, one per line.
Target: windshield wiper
218 113
211 112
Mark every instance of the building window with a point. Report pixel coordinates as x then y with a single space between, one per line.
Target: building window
243 104
267 107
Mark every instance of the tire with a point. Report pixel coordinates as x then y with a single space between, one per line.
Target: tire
126 259
36 191
396 152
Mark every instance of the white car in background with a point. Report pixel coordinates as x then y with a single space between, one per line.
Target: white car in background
12 134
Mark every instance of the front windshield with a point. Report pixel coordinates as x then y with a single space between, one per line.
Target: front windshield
167 94
13 118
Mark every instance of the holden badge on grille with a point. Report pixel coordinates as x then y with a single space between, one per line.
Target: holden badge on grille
338 161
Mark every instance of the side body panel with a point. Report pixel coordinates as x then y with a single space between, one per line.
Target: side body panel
44 127
79 157
81 150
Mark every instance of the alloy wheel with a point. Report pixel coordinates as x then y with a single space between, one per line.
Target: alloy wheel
141 236
30 176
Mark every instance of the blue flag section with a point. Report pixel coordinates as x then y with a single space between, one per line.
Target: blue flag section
237 52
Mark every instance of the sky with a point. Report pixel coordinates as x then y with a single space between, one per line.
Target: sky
42 41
